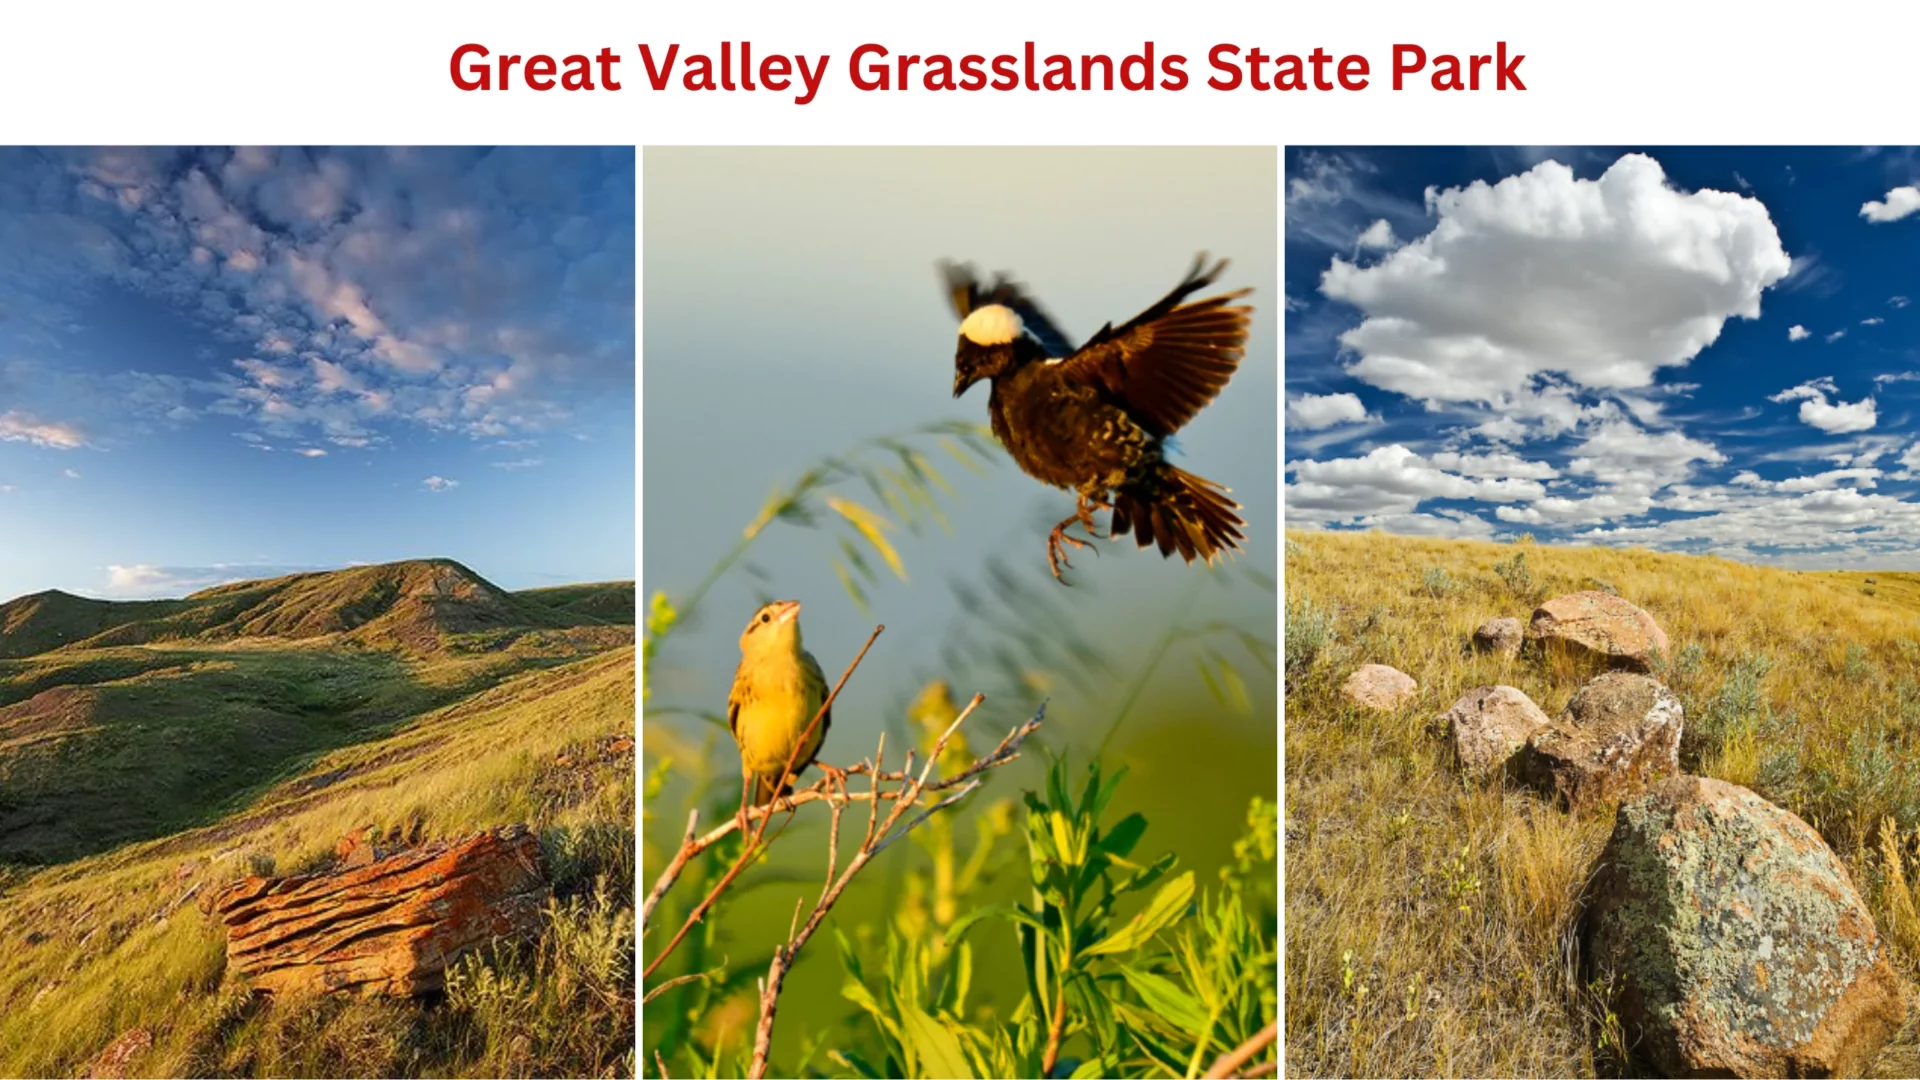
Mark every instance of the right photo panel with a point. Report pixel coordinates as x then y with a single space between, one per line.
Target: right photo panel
1602 619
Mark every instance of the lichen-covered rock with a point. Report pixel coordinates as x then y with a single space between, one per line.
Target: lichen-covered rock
390 926
1601 625
1620 733
1489 725
1738 942
116 1061
1502 637
1379 687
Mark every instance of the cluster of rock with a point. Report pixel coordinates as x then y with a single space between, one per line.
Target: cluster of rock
1738 941
384 923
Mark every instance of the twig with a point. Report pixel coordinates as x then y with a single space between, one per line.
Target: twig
672 872
822 791
752 846
1231 1062
879 835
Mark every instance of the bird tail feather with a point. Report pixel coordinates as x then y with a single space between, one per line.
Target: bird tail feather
1178 511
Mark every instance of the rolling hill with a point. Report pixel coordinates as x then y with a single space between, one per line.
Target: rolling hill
154 750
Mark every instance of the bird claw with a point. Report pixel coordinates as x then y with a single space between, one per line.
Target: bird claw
1059 538
1056 548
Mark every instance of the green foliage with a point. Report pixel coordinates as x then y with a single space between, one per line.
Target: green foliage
1160 992
1517 575
1309 634
1436 582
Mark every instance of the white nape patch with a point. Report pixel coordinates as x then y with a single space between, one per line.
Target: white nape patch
995 324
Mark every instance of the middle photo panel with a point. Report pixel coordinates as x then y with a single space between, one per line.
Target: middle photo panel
1018 407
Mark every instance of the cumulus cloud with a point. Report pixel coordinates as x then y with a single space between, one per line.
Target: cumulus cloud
1899 202
16 426
1313 412
1833 417
1835 336
439 483
1377 237
1797 332
1389 480
1872 321
1602 282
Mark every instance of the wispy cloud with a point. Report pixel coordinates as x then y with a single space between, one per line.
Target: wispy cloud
16 426
439 483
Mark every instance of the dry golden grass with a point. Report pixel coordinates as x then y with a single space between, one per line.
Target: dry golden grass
1429 923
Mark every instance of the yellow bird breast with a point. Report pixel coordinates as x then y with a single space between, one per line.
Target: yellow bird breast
775 708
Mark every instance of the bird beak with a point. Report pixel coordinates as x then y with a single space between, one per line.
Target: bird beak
788 611
961 381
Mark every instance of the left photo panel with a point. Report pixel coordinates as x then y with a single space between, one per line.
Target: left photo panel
317 681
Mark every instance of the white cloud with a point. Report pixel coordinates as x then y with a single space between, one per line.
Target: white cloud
1873 321
1797 332
1389 480
1899 202
439 483
1835 336
1835 417
520 463
1898 301
16 426
71 474
1378 237
1604 281
1494 465
147 581
1313 412
311 451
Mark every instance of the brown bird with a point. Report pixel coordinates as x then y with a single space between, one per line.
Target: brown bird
1096 419
777 690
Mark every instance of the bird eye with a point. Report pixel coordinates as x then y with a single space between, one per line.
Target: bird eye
764 617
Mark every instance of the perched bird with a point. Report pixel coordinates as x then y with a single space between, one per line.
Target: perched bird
777 689
1096 419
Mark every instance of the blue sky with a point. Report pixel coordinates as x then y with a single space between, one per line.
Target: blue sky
227 363
1696 349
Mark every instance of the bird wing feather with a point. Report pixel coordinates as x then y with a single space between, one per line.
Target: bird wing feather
966 293
1171 360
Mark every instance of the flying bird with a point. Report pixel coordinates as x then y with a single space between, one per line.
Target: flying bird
777 689
1096 419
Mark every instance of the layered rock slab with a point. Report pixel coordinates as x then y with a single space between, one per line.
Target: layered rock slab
391 926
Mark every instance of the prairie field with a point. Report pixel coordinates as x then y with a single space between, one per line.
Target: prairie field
1430 923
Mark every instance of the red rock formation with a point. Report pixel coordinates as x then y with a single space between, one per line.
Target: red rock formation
391 926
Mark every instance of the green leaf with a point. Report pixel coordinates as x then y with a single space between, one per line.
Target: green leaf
1122 838
1166 999
1161 912
935 1046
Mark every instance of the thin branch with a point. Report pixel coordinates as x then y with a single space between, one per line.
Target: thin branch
1233 1061
752 846
672 872
879 835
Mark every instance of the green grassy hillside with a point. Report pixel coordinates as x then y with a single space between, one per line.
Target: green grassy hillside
1429 926
150 753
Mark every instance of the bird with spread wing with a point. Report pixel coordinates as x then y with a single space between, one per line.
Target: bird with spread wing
1096 419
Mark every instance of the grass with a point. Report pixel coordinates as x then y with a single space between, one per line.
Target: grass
1429 922
139 778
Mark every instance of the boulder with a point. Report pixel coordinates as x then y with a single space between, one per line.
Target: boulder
390 926
116 1061
1499 636
1599 624
356 848
1489 725
1738 943
1379 687
1620 733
